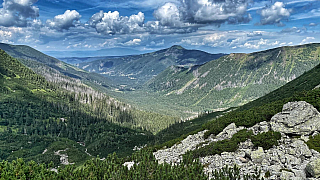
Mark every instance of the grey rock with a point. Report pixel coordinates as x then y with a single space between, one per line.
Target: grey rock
299 118
228 132
299 174
298 148
286 175
260 128
313 168
258 155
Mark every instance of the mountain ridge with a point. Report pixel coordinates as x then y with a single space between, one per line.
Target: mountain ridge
135 70
244 77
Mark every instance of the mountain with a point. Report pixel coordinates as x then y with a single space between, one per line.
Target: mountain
41 121
231 80
51 67
135 70
303 88
245 143
218 139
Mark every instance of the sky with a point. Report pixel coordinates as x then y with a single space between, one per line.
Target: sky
139 26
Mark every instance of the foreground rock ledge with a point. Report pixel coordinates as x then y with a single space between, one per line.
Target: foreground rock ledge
291 159
297 118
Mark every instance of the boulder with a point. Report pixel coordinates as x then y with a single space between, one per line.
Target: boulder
298 118
313 168
258 155
285 175
129 164
228 132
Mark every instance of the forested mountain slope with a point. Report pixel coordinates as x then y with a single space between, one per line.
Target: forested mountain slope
304 87
38 118
133 71
201 158
78 81
52 68
233 80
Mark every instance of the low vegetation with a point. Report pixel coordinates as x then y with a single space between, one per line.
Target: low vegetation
266 140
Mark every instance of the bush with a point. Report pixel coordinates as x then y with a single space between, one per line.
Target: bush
266 140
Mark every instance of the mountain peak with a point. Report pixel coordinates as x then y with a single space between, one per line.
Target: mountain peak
176 47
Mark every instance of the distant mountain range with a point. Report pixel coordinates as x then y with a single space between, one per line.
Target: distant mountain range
135 70
53 108
177 81
229 81
235 79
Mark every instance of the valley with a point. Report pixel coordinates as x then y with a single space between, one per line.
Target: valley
159 90
230 81
55 113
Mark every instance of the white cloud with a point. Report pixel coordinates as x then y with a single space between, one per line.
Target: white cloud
203 12
64 21
18 12
254 44
189 15
307 40
313 24
274 14
133 42
168 15
113 23
213 11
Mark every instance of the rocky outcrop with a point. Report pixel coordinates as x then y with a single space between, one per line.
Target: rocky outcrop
299 118
228 132
286 161
313 168
63 157
173 154
291 159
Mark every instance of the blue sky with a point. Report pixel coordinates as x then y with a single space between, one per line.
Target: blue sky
216 26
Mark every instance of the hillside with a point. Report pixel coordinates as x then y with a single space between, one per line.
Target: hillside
241 144
51 67
249 136
133 71
305 88
229 81
43 122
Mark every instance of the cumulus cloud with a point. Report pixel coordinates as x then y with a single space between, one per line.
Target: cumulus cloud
203 12
180 16
113 23
307 40
187 16
168 15
274 14
133 42
64 21
313 24
18 12
213 11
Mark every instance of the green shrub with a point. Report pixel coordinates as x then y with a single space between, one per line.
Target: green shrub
266 140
